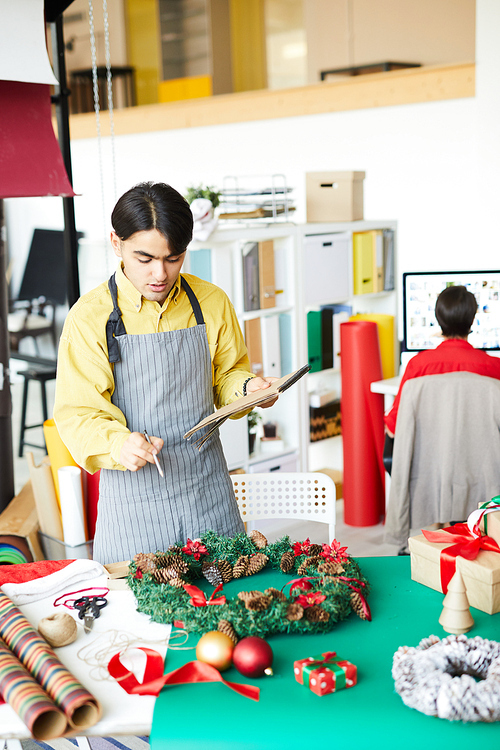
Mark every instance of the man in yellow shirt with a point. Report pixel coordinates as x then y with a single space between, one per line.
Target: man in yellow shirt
151 350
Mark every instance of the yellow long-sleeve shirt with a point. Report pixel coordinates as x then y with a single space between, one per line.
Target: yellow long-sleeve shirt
93 428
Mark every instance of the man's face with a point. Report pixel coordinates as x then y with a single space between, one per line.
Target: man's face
148 263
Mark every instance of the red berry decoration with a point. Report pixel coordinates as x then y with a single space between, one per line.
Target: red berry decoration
253 657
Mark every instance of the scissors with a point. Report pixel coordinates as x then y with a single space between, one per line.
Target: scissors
89 609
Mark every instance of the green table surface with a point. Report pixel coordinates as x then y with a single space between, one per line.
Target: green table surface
288 715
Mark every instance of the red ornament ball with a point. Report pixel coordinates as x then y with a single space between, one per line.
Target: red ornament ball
253 656
215 648
301 584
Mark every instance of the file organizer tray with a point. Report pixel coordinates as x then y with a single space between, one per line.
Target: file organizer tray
54 549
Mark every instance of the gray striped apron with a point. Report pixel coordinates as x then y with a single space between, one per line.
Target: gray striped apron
163 384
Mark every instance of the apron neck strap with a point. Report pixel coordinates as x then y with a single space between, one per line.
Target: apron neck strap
114 326
194 302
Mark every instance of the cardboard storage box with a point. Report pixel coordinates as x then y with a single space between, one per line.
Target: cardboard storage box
334 196
481 576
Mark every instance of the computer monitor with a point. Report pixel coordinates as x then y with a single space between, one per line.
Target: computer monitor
420 291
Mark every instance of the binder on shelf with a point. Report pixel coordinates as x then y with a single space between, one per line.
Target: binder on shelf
251 291
285 324
314 340
327 336
200 263
341 314
271 349
267 286
388 238
363 263
378 260
254 345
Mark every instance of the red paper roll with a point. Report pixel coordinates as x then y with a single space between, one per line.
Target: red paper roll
362 424
92 499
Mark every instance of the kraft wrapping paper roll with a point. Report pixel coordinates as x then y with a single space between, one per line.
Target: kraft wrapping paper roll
81 709
362 424
92 495
44 492
58 453
385 326
72 505
29 700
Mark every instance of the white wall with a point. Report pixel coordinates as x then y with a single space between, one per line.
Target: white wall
432 167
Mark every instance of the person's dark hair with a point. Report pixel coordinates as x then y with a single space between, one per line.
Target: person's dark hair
455 311
151 205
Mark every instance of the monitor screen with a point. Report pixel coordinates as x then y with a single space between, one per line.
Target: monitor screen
420 291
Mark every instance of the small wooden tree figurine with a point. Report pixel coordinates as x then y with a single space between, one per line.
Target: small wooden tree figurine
456 617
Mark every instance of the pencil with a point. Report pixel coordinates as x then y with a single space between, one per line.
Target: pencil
154 457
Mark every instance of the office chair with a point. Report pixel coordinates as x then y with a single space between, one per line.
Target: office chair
292 495
446 451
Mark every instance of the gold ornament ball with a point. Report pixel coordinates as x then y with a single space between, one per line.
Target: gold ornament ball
215 648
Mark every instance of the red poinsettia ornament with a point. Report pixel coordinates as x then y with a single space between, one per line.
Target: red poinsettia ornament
196 549
334 552
310 599
302 548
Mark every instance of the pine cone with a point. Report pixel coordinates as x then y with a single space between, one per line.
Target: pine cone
175 549
316 614
287 561
255 600
315 549
212 573
160 577
256 563
360 606
275 594
226 570
308 563
241 566
331 568
258 539
225 627
145 562
294 612
178 583
175 566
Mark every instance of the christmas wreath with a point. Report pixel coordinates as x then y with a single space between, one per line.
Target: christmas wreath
325 586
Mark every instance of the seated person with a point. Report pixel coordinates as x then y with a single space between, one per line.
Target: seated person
455 311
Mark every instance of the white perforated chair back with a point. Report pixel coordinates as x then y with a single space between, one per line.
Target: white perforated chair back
306 496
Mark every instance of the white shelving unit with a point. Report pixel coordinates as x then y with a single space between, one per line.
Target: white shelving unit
313 267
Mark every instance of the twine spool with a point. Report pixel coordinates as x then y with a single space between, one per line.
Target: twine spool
58 629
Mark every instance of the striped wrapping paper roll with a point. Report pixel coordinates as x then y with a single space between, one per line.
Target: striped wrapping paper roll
30 702
81 708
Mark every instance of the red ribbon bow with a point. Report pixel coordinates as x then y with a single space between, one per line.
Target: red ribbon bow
198 598
327 659
466 545
155 680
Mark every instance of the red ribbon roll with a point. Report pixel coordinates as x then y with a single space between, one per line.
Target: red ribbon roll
466 545
155 680
198 598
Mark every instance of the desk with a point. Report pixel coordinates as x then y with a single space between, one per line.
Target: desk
388 387
288 715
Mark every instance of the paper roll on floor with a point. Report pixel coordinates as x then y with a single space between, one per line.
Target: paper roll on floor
58 453
44 492
72 505
362 424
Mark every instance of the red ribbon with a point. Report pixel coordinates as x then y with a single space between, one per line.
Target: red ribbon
198 598
155 680
466 545
327 658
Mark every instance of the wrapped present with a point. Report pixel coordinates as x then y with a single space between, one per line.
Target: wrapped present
487 519
435 555
325 673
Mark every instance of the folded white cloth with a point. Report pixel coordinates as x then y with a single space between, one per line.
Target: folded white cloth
29 582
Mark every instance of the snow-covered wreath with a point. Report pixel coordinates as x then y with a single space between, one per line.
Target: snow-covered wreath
457 678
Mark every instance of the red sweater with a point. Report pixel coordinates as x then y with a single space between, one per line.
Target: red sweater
452 355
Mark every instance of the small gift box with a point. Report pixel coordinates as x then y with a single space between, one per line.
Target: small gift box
435 555
326 673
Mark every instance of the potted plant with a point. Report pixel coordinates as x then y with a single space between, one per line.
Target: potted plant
208 192
253 421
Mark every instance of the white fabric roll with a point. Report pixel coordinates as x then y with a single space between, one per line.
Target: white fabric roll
72 506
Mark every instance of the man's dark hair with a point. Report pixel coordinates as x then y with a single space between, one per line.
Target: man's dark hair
455 311
151 205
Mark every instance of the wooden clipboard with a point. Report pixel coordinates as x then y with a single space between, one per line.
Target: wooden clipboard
245 403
